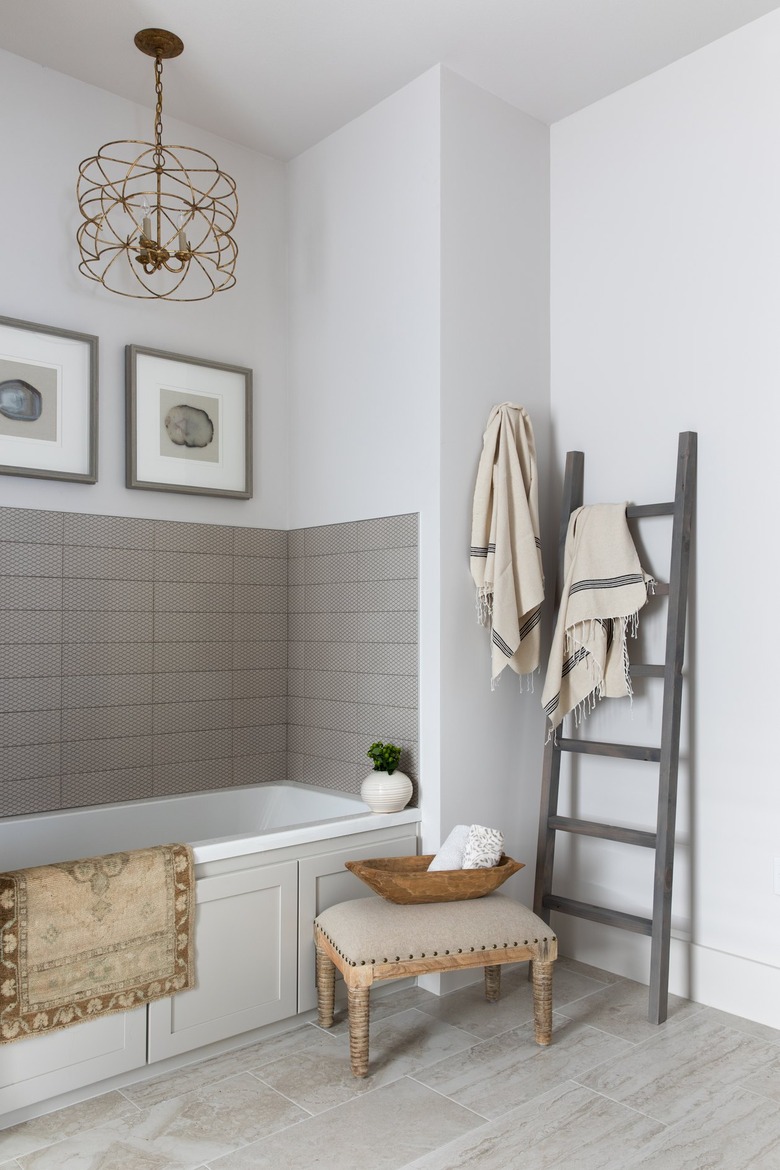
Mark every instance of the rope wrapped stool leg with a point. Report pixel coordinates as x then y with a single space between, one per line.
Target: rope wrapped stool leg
326 989
358 1007
492 983
541 974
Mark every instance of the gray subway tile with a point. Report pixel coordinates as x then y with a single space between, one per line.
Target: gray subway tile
331 538
192 716
109 564
106 722
335 715
398 626
260 571
121 784
29 694
339 774
30 761
104 755
80 594
248 741
108 531
333 745
260 768
382 564
174 536
260 656
106 690
192 686
194 626
388 657
296 572
338 686
29 727
43 625
296 599
260 542
330 656
193 776
259 627
251 684
387 723
296 711
175 656
323 627
195 597
331 568
260 598
267 709
31 593
296 542
31 525
389 690
334 598
387 532
26 660
88 626
387 595
30 560
107 658
192 745
21 797
193 567
296 656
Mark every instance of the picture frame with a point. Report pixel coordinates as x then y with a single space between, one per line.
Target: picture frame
48 402
189 424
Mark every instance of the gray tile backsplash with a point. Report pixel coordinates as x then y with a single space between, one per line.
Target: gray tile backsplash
144 658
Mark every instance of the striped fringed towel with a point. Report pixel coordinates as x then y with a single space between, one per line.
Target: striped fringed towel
81 939
506 557
604 588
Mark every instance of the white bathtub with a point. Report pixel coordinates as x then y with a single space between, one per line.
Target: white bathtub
226 823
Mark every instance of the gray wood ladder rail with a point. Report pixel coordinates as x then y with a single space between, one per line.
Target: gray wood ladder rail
658 927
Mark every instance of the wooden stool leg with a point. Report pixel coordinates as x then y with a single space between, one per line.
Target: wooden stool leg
493 983
326 989
541 974
358 1006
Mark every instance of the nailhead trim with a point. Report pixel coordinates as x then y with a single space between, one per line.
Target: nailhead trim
373 962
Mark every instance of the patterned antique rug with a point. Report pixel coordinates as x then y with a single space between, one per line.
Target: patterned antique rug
81 939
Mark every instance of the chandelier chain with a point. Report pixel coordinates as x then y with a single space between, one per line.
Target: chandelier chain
158 126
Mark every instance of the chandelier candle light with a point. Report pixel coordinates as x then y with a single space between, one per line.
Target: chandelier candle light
157 218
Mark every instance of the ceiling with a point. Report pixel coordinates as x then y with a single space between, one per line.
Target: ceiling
279 75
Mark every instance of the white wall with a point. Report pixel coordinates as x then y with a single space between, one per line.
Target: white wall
48 124
495 348
665 279
419 270
364 344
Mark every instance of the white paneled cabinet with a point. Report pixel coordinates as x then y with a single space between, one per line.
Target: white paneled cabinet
254 966
245 961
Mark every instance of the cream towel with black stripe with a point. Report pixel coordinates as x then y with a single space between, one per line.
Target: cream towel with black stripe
604 589
505 556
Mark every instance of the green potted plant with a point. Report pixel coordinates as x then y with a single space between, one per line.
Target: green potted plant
386 789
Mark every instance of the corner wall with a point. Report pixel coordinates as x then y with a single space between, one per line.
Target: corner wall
665 302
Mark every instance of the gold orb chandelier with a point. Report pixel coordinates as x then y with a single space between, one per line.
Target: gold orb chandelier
158 218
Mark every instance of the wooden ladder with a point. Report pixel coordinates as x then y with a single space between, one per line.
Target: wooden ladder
681 509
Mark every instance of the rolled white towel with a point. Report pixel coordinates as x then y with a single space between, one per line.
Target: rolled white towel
450 855
483 847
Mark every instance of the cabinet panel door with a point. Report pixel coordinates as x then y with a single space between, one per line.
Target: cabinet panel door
323 881
40 1067
245 956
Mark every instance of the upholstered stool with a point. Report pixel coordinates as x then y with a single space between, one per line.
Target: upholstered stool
371 939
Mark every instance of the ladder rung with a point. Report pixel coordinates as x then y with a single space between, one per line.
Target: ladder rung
606 832
647 670
599 914
621 751
636 511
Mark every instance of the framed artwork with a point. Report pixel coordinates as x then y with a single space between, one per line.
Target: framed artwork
48 402
189 424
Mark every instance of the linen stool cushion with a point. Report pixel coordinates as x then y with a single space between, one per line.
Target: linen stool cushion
370 931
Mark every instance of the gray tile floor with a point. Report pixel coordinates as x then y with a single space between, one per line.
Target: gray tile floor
455 1082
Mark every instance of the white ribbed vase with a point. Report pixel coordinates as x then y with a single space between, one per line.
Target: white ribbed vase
384 793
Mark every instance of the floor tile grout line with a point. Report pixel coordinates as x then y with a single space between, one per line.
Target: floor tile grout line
452 1101
623 1104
